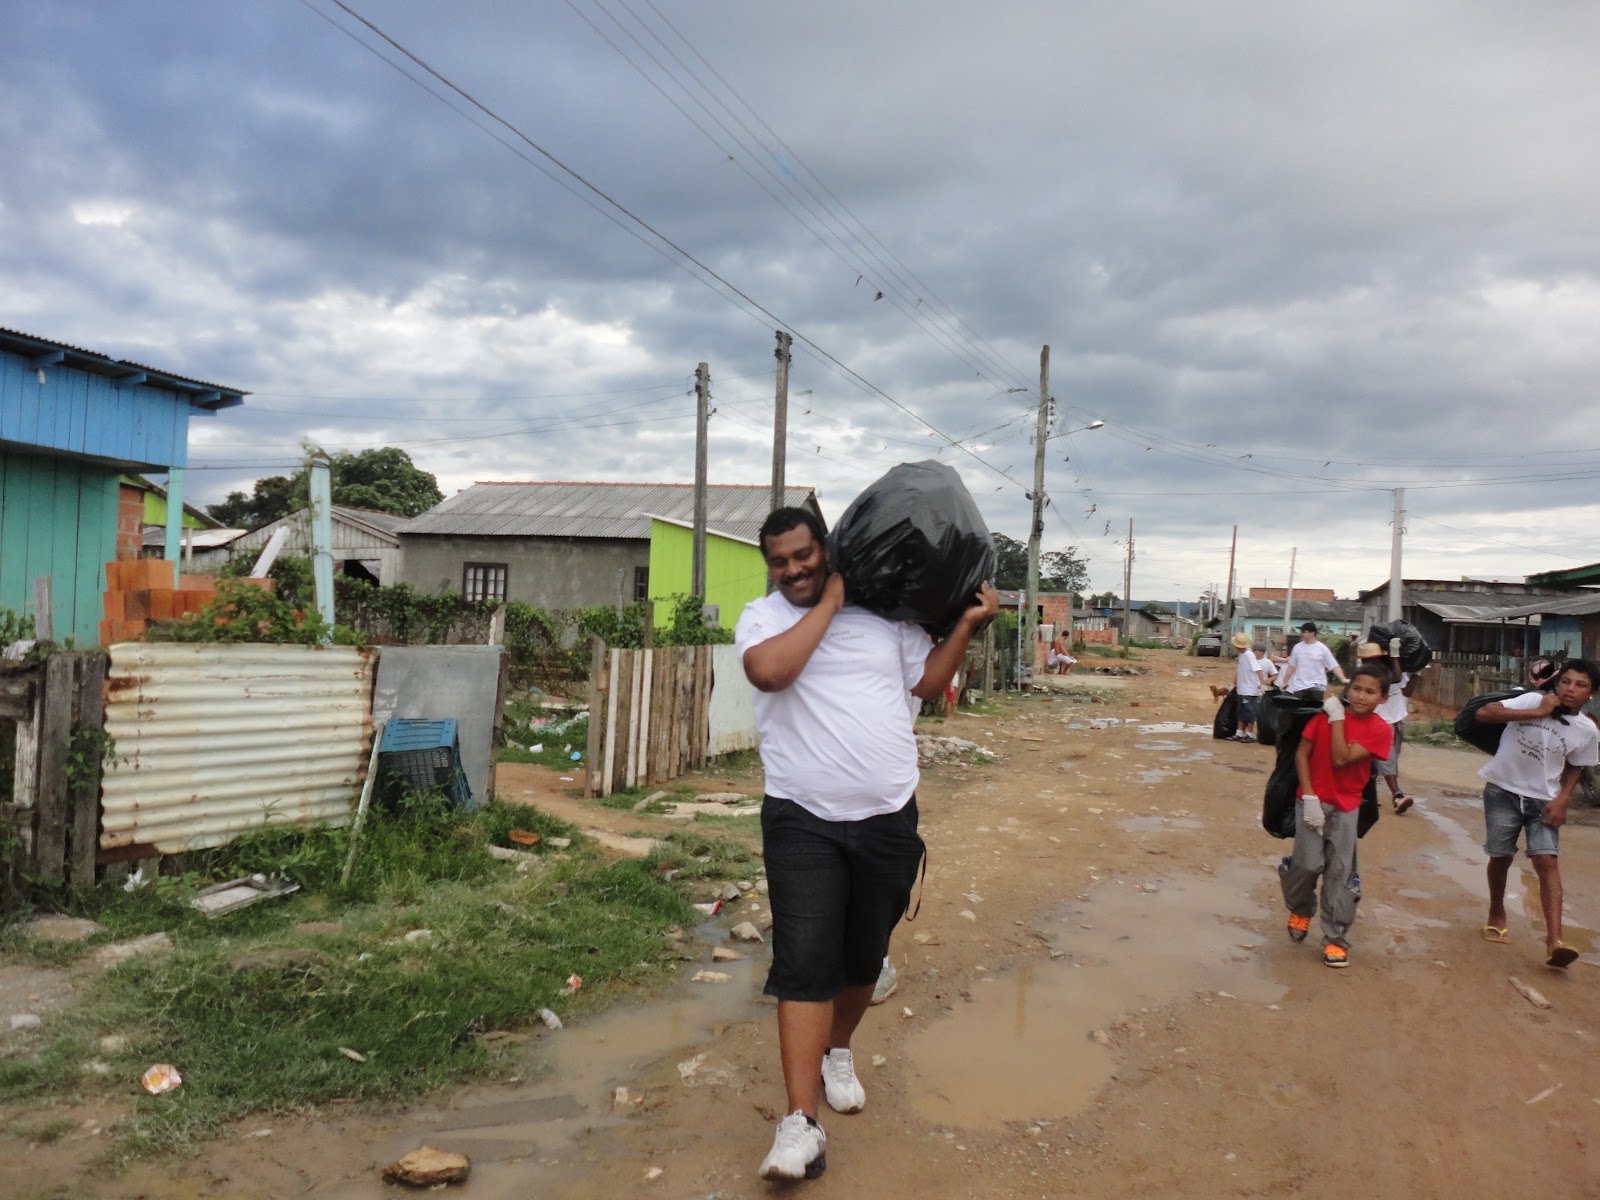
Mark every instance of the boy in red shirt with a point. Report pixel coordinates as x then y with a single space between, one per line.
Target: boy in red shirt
1334 762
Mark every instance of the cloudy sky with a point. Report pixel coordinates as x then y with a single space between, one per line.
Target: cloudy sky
1293 255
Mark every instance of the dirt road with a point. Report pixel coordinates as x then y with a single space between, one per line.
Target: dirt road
1097 999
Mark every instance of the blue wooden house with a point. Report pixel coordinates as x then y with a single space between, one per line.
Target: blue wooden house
71 422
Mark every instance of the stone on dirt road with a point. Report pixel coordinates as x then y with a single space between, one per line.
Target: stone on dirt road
711 977
153 945
426 1167
745 932
54 927
725 954
723 798
730 891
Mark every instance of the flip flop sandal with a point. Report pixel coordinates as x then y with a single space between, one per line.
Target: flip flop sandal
1401 803
1561 956
1492 933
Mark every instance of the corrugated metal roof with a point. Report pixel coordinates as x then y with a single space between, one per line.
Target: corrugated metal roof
1584 604
212 740
1299 610
200 393
596 510
1466 607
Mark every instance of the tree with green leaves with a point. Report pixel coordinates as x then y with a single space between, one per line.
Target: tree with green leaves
1059 570
384 479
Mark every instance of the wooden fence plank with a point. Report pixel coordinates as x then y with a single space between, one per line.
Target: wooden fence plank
84 797
53 803
598 693
17 691
608 752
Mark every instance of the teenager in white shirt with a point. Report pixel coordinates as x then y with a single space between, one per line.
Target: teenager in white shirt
1393 710
1248 686
1309 664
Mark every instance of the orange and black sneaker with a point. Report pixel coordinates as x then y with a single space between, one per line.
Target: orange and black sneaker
1335 956
1298 928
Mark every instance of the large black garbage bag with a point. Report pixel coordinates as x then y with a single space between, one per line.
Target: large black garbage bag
1415 653
1269 715
1280 804
1226 723
1485 735
913 547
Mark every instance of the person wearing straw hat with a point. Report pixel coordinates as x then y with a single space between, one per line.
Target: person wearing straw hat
1393 710
1247 686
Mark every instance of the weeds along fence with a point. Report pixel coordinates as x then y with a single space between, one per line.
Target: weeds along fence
52 737
1451 686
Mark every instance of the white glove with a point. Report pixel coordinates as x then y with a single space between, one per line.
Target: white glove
1311 812
1394 647
1334 707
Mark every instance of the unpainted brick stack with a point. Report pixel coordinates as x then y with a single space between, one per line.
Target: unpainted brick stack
150 589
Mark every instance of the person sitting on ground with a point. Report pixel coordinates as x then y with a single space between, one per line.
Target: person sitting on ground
1393 710
1059 660
1527 787
1309 664
1247 686
1334 763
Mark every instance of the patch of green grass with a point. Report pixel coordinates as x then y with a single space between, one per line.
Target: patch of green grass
1103 651
697 855
254 1011
1432 733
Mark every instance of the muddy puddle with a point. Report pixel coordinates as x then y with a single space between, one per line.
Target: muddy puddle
1038 1041
521 1137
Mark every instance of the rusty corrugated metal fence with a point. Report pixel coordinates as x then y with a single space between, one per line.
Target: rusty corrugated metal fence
212 740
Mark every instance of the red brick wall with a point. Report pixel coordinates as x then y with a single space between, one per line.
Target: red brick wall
130 522
1270 593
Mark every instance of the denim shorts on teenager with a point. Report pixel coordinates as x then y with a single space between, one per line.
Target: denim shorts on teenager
837 890
1506 814
1247 709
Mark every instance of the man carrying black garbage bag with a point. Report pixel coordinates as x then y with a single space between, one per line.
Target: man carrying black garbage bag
835 690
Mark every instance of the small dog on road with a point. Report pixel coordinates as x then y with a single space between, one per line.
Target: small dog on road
1217 693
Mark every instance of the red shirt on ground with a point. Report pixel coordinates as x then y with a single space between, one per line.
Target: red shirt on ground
1342 786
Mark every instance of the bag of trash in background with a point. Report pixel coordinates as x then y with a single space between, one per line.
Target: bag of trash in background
1226 723
913 547
1268 715
1485 735
1280 802
1415 653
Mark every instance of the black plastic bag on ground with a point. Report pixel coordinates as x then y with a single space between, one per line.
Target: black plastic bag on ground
1226 723
913 547
1415 653
1484 735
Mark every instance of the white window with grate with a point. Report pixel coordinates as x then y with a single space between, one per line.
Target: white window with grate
483 581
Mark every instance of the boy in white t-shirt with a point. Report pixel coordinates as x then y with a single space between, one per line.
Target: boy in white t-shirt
1527 787
1248 685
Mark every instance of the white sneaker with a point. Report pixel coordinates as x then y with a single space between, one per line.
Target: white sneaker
844 1091
888 981
798 1149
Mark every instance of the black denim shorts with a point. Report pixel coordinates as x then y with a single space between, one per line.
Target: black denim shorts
837 888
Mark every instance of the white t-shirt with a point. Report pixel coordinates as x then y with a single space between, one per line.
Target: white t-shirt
1394 708
1309 664
1533 753
838 741
1249 673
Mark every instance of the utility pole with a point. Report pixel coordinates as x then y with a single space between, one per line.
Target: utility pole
1288 601
1127 588
1041 434
780 418
702 415
1395 589
1227 609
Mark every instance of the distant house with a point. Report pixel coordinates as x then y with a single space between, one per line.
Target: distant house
579 545
1467 617
72 423
1262 619
364 543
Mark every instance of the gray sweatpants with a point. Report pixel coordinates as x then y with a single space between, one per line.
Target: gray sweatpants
1331 853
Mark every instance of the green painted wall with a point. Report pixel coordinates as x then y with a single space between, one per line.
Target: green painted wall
58 518
735 573
155 513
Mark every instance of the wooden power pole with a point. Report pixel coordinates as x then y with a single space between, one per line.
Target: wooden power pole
1227 610
1030 615
780 419
1127 589
702 415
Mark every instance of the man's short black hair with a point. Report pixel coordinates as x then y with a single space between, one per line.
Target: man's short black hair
782 520
1309 627
1585 668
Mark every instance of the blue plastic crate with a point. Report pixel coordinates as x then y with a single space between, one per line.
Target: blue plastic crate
425 755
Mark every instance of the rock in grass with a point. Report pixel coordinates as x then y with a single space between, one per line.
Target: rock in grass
426 1167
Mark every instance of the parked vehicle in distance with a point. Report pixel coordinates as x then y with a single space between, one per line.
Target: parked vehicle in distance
1209 645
